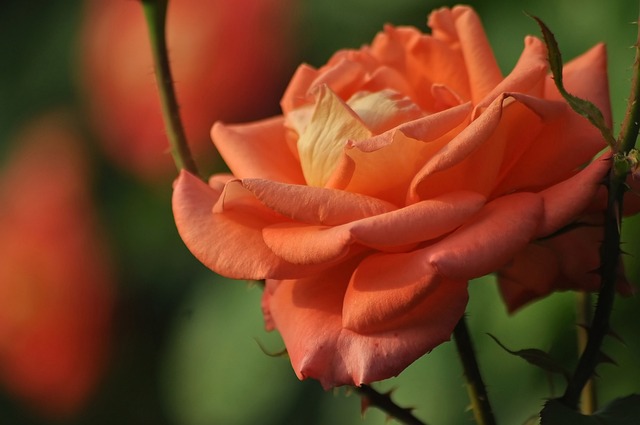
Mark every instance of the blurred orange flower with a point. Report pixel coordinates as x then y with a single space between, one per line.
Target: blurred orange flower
56 290
230 60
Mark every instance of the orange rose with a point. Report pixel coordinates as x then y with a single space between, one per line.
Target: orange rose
55 282
397 173
219 72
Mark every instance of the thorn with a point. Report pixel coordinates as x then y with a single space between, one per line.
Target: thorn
584 326
254 283
281 353
603 358
616 336
365 403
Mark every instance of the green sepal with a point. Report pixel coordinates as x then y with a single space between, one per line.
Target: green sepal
538 358
621 411
583 107
623 164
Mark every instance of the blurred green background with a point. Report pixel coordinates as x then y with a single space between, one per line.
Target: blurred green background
184 347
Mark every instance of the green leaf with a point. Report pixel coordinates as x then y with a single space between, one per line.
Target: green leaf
581 106
538 358
621 411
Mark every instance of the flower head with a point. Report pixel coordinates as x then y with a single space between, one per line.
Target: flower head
396 173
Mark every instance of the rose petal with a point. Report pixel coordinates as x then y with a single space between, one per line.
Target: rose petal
458 150
530 275
567 261
320 146
395 231
308 314
568 199
490 239
305 244
387 78
296 93
382 166
529 74
484 73
419 222
386 289
257 150
315 205
383 110
229 243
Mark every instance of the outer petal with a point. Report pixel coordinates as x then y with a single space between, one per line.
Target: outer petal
490 239
553 151
484 73
308 314
230 242
529 74
386 290
529 276
258 150
565 262
565 201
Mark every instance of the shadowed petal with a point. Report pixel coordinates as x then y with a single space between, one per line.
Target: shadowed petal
567 261
568 199
530 275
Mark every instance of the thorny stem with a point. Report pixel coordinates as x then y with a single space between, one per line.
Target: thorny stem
384 403
476 389
609 254
155 12
610 249
588 399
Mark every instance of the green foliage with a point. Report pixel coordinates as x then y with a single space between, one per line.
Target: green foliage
621 411
538 358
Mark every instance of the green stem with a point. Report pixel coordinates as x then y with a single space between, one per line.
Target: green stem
155 12
610 255
610 249
588 399
476 389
